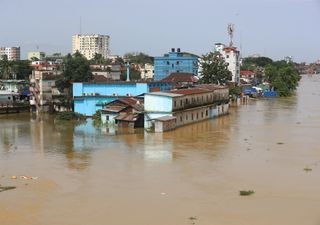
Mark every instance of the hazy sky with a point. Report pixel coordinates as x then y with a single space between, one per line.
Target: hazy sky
274 28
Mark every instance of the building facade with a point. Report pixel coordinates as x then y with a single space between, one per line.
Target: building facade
37 55
175 62
13 53
90 97
147 71
42 82
89 45
231 56
186 105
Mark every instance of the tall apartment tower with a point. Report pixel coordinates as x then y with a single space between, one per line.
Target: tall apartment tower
89 45
13 53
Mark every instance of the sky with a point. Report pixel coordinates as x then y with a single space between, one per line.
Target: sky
272 28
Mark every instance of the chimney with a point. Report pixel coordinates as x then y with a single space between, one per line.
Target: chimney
178 49
173 50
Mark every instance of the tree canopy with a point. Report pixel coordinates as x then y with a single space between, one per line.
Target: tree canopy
214 69
283 77
75 68
138 58
20 69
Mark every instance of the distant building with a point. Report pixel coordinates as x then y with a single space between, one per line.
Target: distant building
37 55
167 110
42 81
175 62
89 45
247 76
231 56
109 72
147 71
13 53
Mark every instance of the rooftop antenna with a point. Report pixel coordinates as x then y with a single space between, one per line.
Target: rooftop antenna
230 33
80 25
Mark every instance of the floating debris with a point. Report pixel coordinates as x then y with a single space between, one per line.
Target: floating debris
193 219
246 192
6 188
307 169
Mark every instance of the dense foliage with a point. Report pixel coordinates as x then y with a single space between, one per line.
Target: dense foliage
67 116
14 69
283 77
214 69
252 63
138 58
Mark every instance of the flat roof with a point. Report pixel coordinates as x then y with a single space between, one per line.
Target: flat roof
165 118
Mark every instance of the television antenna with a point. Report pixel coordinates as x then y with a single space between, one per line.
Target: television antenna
230 33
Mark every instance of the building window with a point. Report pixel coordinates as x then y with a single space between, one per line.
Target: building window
180 118
192 116
180 102
168 63
206 112
197 116
175 103
177 62
227 56
201 114
107 118
186 116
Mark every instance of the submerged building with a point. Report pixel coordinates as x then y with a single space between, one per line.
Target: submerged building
90 97
181 107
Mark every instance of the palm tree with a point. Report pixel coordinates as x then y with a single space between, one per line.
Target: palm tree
5 67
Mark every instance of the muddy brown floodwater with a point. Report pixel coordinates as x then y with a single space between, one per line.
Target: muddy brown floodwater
193 175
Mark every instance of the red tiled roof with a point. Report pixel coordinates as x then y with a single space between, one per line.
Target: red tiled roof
246 72
181 77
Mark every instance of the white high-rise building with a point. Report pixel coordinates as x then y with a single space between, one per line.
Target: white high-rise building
231 56
89 45
13 53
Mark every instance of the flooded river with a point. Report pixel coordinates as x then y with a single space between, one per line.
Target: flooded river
193 175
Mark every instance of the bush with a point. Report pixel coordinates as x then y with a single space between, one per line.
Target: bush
97 118
64 116
246 192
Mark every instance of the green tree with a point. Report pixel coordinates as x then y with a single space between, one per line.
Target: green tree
75 68
138 58
214 69
283 77
5 67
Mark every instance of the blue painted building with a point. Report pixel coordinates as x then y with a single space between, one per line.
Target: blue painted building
90 97
175 62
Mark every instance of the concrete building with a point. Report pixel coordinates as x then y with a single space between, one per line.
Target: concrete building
147 71
89 45
185 105
42 81
90 97
37 55
175 62
13 53
231 56
109 72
